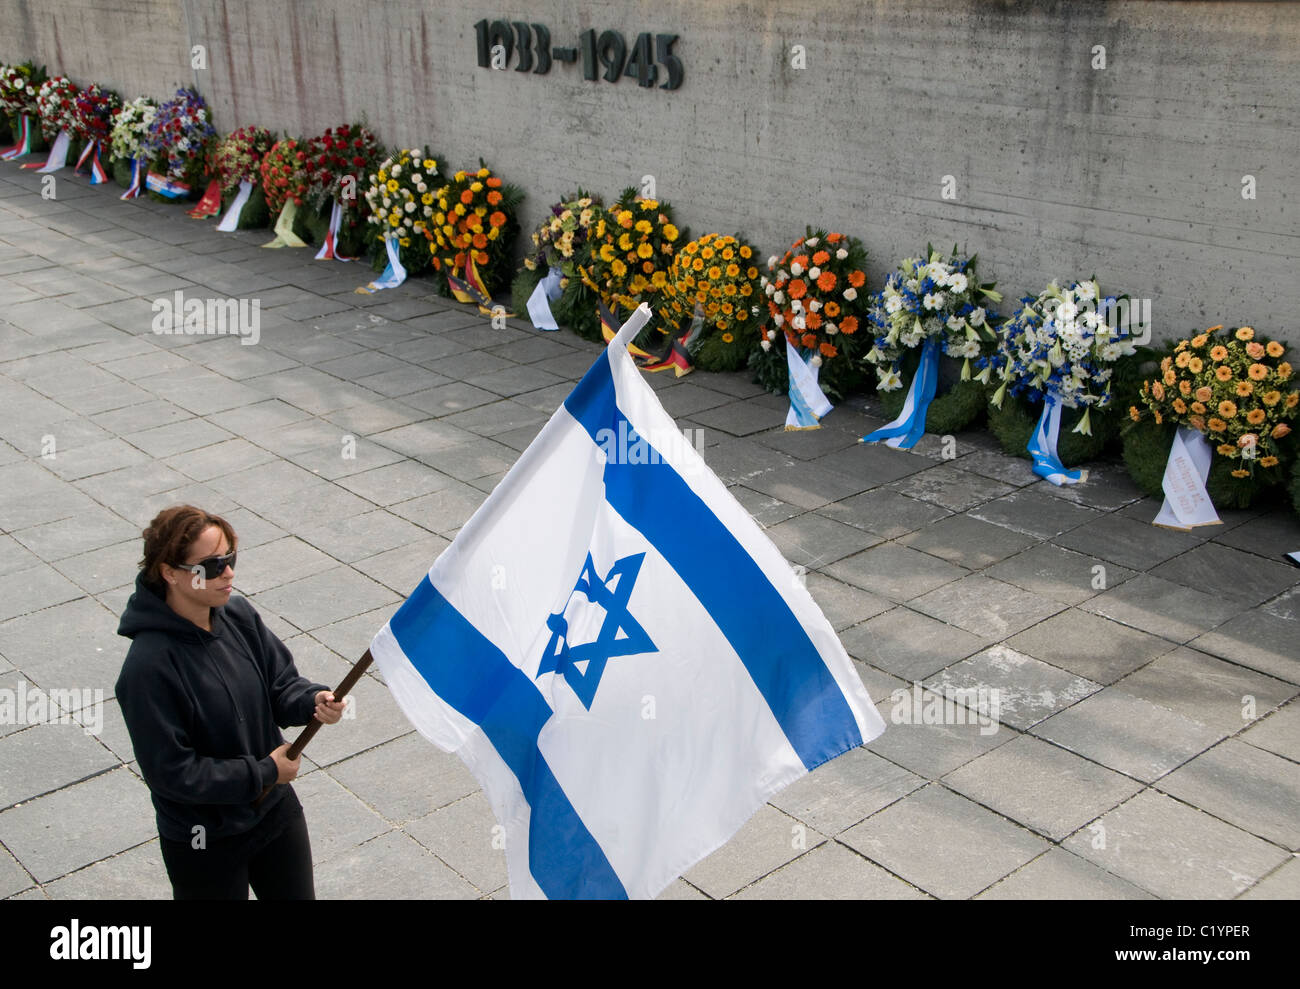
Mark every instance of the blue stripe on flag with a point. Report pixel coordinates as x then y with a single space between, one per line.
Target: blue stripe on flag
472 675
804 697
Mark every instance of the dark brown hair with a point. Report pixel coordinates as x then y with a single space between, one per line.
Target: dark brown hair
171 534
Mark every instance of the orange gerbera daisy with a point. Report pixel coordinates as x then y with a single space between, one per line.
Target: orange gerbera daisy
1257 372
826 281
1217 425
1255 416
798 289
1223 372
467 197
849 325
857 279
813 321
809 340
497 219
832 309
1245 333
821 257
1275 349
1218 353
828 350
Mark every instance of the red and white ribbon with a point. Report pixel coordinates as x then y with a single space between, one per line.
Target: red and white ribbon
137 168
330 249
97 173
58 157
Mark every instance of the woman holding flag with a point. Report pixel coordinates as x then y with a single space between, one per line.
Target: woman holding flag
204 690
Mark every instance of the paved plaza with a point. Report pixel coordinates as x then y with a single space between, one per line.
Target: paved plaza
1147 738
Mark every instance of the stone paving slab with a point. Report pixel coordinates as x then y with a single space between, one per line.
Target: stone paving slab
1027 691
1202 688
62 831
1045 788
1255 790
908 644
939 574
1060 574
840 793
943 843
768 841
1278 733
1061 875
1089 645
466 836
830 871
1127 734
1176 851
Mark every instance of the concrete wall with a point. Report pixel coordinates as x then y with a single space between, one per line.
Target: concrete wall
1132 172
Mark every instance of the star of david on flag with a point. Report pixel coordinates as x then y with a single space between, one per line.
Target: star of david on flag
621 657
619 635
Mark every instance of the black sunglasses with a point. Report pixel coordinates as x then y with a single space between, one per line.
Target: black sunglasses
213 567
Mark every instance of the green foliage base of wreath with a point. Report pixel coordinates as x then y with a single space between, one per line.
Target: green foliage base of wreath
6 129
1015 422
521 289
954 408
120 169
1294 486
576 309
1146 452
713 354
255 213
770 370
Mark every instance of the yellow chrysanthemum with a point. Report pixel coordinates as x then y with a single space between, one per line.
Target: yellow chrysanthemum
670 232
644 250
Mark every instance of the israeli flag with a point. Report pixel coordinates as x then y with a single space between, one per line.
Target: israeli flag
619 654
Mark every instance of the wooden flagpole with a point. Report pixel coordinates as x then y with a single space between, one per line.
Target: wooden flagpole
313 726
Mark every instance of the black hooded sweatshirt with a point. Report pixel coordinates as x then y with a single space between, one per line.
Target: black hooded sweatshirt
203 709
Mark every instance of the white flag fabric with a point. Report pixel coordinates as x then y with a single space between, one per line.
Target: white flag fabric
623 659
